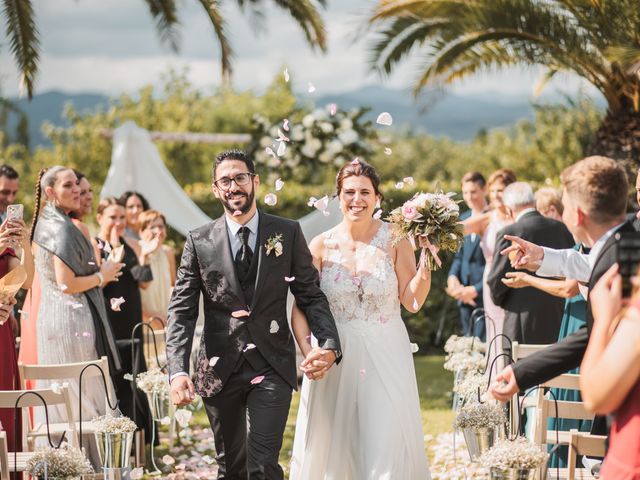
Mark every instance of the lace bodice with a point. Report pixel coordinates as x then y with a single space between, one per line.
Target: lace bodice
368 298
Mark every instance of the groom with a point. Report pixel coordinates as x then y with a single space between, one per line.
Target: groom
244 264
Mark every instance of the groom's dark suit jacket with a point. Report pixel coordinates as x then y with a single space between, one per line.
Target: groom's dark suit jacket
207 267
567 354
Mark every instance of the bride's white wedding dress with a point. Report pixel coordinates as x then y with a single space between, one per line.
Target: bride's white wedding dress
363 420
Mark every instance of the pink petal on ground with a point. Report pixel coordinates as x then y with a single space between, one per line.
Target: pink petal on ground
168 460
384 119
289 279
240 314
257 380
285 125
279 184
115 303
333 108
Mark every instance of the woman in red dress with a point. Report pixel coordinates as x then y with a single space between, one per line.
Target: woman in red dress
13 237
610 374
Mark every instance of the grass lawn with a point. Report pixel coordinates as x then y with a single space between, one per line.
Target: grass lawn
434 386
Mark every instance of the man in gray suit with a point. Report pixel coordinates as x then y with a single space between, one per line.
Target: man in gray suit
244 264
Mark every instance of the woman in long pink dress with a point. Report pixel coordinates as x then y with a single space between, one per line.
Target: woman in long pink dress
488 226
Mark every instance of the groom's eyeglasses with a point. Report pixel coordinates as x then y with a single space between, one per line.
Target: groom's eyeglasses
241 179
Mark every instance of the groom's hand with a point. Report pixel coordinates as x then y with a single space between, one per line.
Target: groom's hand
317 362
182 390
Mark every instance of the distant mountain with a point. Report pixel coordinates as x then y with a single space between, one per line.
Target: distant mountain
459 117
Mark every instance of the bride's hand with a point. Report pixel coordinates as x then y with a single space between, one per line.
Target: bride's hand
317 362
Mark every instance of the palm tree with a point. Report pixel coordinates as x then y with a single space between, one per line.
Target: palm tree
599 40
25 43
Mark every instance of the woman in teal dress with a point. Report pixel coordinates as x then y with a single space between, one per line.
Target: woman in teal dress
574 317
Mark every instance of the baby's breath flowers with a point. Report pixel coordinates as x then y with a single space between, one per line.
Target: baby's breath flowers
152 381
65 462
481 415
467 388
113 425
518 453
465 362
457 344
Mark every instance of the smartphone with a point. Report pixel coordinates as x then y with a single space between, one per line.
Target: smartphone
628 258
15 211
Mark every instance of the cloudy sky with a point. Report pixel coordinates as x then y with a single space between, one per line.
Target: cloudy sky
112 47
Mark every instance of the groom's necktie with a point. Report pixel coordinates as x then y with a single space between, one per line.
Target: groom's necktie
244 255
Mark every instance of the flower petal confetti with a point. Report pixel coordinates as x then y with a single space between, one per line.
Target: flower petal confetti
285 124
399 185
333 108
107 248
414 347
274 327
55 387
415 304
311 87
165 421
91 263
116 303
269 151
286 75
213 361
240 314
322 203
168 460
128 376
279 184
257 380
282 147
63 287
355 161
24 315
282 137
250 346
136 473
270 199
363 371
388 151
408 180
208 460
378 214
237 213
384 118
183 416
312 201
289 279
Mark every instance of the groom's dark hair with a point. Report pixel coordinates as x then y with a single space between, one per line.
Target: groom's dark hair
238 155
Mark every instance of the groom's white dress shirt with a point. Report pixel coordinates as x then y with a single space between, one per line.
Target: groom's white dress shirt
570 263
233 228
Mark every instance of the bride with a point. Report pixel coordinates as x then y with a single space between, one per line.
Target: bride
363 421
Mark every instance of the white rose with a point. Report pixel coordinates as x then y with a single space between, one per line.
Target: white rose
348 137
326 127
308 121
297 133
325 157
265 142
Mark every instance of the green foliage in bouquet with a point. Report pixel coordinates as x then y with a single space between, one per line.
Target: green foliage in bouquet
317 142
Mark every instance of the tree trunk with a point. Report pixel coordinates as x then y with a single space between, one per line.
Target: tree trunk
618 137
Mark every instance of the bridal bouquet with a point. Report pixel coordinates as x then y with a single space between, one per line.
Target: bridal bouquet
434 217
153 381
64 462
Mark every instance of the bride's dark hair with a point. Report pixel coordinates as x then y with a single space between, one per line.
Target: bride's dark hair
358 168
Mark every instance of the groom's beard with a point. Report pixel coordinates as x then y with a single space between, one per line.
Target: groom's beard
242 204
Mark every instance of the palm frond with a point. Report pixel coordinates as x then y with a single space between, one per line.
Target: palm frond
627 56
309 19
164 12
23 39
543 81
217 20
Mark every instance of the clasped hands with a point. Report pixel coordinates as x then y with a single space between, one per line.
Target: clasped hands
466 295
317 363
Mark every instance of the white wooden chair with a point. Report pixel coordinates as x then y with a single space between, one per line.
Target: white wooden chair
63 372
518 352
4 457
585 444
8 400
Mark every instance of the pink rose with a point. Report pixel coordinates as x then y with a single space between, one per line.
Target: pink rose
409 211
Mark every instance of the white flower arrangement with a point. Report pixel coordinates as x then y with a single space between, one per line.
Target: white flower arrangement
328 136
467 388
518 454
153 381
113 425
481 415
456 344
465 362
65 462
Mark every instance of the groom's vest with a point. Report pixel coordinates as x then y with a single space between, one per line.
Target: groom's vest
248 285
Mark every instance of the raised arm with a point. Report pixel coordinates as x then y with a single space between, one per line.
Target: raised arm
611 364
413 284
558 288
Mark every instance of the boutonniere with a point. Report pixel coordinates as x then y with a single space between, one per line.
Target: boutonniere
274 243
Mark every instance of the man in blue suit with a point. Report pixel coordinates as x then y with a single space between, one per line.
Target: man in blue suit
464 282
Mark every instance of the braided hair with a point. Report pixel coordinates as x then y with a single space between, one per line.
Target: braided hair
46 178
